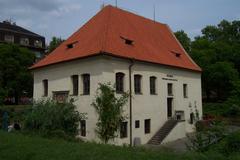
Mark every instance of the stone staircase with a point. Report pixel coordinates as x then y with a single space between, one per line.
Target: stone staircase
163 132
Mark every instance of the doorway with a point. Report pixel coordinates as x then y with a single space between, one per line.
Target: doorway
169 107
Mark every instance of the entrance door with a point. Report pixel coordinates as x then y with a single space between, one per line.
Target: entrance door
169 107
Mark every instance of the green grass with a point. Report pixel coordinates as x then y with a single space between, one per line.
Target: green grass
15 146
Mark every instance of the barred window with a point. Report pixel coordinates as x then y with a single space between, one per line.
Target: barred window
83 128
147 126
153 85
119 82
86 84
123 129
185 91
75 84
137 84
45 87
170 89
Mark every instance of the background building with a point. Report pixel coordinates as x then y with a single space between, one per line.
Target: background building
12 33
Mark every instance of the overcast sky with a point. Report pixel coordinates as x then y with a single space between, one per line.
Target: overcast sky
63 17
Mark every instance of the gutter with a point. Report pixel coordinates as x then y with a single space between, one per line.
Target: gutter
130 98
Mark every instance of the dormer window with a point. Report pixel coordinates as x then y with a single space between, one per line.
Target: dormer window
177 54
127 41
71 45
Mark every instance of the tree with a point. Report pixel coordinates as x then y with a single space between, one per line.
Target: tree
110 111
222 75
55 42
184 40
15 79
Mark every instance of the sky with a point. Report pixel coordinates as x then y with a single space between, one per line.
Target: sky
62 18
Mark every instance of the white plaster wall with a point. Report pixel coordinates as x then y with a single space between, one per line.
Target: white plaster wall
144 106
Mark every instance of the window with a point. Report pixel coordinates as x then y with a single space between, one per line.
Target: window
191 118
83 128
45 87
128 42
123 130
86 84
170 89
137 83
147 126
24 41
75 85
60 96
119 82
137 124
153 85
38 43
185 94
9 38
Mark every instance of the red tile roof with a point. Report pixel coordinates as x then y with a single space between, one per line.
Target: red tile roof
106 32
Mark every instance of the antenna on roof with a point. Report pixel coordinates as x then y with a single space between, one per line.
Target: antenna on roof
154 13
102 6
116 3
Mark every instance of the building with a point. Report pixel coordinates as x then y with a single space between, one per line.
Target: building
138 55
12 33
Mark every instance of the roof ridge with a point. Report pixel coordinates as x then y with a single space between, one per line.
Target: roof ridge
135 14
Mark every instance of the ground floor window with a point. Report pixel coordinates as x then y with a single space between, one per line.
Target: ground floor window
147 126
123 130
137 124
83 128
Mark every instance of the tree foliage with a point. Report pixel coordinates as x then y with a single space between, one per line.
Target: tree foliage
109 108
184 40
55 42
48 117
217 52
14 63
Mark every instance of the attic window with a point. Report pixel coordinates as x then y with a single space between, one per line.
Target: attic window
127 41
71 45
177 54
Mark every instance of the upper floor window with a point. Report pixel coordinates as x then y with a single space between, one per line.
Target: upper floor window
9 38
86 84
153 85
170 89
75 84
119 82
185 91
45 87
24 41
137 84
38 43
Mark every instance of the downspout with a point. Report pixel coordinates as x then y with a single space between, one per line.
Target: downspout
130 98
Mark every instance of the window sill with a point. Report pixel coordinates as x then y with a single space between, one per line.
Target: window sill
123 137
138 93
153 94
185 97
84 94
148 133
120 92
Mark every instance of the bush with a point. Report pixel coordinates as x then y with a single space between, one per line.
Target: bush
50 118
232 143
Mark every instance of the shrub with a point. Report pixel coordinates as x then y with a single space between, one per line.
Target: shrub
110 111
50 118
232 143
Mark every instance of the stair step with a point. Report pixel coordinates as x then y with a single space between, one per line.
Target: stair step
162 132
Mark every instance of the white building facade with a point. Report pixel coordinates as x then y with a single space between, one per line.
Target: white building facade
145 106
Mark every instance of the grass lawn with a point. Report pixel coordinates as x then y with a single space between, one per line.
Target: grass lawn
15 146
